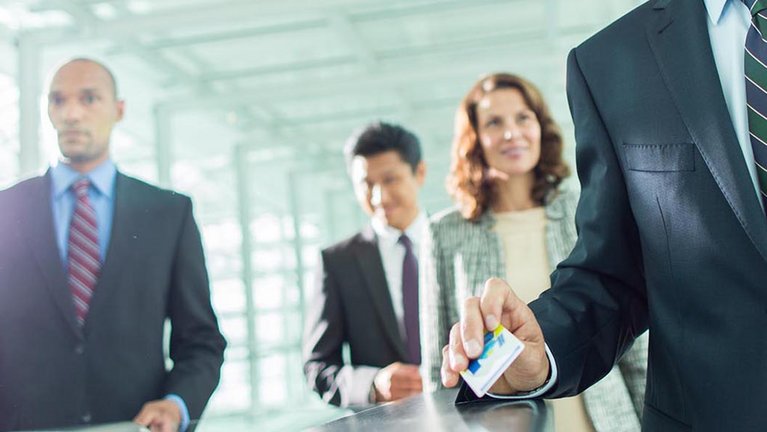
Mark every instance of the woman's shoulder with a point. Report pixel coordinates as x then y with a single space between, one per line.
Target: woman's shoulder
447 217
562 203
450 223
566 196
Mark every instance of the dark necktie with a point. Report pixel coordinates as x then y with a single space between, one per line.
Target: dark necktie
756 88
83 250
410 301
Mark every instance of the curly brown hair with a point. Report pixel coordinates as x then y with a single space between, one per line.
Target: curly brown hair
469 182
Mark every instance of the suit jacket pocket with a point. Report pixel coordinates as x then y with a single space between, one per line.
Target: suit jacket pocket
654 419
660 157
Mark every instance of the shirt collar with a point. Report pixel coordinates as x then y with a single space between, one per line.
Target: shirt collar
715 9
390 235
102 178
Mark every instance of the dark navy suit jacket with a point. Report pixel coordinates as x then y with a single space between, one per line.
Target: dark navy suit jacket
671 234
55 374
351 305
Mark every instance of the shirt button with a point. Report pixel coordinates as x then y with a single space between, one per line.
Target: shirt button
86 418
79 350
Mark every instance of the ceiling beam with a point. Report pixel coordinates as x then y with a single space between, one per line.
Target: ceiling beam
300 24
347 33
81 14
381 78
244 11
470 46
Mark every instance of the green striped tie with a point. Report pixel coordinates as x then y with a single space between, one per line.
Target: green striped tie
756 88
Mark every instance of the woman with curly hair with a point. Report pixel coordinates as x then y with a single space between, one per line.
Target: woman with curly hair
513 221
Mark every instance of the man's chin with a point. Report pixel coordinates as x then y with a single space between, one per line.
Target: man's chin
392 221
72 149
75 158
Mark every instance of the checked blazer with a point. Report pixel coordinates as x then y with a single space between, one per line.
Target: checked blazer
459 256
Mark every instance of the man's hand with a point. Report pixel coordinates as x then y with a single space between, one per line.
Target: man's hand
397 381
160 416
498 304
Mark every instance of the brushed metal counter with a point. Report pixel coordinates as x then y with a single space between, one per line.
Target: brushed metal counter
437 412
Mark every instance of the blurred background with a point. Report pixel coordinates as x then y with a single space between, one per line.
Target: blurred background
245 106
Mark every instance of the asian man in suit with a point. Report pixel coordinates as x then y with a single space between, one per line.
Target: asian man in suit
92 263
670 120
367 286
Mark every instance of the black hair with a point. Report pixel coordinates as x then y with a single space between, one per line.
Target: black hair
379 137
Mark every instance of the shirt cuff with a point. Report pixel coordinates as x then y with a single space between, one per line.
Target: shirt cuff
181 407
363 382
532 394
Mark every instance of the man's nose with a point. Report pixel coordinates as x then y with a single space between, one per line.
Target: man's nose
71 112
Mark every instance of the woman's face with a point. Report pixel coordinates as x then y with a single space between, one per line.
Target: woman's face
509 133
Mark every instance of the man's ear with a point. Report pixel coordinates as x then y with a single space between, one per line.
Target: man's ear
120 109
420 173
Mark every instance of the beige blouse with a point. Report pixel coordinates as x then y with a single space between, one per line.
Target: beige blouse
522 234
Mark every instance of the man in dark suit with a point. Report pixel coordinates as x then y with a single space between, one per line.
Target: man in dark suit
669 126
92 263
367 288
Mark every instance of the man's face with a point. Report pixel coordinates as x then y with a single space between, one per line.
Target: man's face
387 188
83 110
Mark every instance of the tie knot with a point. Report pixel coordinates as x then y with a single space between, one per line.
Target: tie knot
404 240
81 187
755 6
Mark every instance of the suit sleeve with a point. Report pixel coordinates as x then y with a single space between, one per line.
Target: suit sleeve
633 367
196 344
597 304
326 374
435 316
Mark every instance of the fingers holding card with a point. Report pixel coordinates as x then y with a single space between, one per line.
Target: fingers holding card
500 350
498 306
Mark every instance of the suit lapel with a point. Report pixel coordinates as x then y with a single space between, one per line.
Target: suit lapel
370 262
42 243
680 42
117 259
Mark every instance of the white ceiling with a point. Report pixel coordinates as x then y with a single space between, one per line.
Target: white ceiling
296 76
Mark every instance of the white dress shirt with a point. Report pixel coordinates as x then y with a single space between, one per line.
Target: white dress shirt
392 256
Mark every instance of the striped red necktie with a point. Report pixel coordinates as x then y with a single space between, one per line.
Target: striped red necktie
83 250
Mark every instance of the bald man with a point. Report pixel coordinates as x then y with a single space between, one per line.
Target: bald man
92 264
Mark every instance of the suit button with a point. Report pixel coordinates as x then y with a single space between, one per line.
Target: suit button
79 350
86 418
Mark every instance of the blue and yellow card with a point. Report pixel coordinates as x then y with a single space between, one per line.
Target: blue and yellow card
500 350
